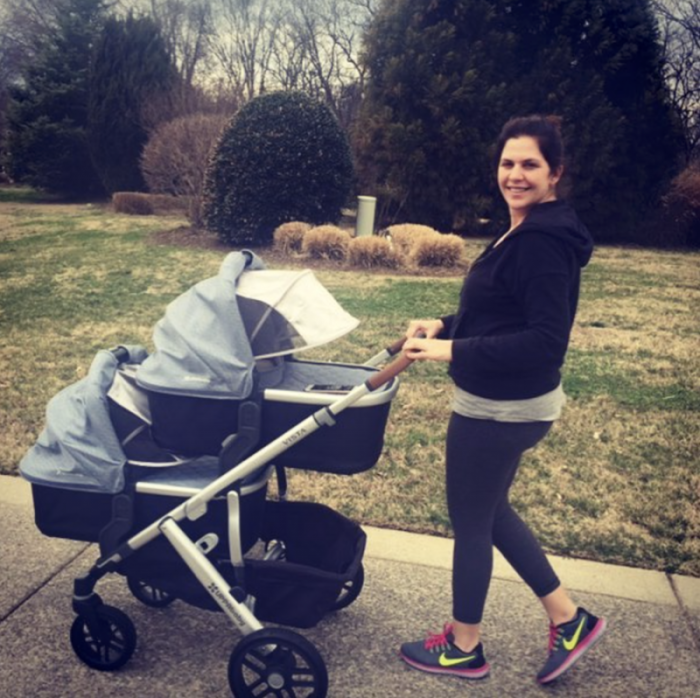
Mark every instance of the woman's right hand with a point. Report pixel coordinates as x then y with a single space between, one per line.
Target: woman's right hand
424 328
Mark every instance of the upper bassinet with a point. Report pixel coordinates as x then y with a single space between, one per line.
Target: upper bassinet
196 426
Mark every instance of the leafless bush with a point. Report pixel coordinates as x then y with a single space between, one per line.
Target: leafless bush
133 203
681 209
438 251
289 237
326 242
372 251
176 157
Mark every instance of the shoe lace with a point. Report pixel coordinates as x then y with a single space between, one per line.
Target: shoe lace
555 634
439 641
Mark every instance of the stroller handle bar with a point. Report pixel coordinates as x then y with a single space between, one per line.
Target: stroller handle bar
393 369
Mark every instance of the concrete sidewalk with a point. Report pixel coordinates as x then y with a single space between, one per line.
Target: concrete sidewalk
652 648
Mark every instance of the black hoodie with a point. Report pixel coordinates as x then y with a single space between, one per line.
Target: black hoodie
517 307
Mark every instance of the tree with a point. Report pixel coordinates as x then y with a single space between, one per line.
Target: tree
679 22
131 68
176 157
46 143
283 157
444 76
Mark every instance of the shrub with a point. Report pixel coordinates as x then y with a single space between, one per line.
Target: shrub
282 158
176 157
682 209
289 237
438 251
405 235
133 203
167 204
373 251
327 242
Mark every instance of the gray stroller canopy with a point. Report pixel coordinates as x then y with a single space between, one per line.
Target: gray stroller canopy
206 346
209 340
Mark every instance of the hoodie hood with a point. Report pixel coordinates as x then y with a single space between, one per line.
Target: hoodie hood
558 218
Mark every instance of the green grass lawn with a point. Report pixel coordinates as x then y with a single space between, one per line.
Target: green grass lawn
617 479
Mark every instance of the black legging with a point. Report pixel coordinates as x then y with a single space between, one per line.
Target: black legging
482 459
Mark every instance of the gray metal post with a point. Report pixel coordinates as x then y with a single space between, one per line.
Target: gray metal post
366 207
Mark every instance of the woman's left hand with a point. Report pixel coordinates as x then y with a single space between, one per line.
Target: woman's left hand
428 349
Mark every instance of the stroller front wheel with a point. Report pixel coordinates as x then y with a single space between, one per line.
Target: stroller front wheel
277 662
106 641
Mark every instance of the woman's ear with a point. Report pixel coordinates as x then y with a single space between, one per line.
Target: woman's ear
556 175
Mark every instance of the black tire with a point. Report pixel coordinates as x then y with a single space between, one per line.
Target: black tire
351 590
148 594
107 647
277 663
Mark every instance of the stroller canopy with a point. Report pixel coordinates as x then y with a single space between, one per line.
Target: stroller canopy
210 337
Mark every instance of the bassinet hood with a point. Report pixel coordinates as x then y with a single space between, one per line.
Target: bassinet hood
211 335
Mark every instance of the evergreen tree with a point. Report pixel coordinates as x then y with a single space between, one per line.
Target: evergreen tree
445 75
46 144
131 67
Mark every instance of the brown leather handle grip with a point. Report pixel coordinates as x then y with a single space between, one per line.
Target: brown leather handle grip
396 347
386 374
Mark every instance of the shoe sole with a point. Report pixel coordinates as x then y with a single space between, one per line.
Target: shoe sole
473 674
591 640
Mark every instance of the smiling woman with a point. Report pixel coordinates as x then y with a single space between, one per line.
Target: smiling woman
505 347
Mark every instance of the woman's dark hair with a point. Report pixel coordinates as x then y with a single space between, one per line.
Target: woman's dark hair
544 129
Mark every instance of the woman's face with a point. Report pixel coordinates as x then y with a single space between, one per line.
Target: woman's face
524 177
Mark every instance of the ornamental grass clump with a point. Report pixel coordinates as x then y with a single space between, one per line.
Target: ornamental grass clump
373 252
438 251
405 235
288 238
327 242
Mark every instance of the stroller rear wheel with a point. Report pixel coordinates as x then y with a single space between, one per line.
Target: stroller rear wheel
148 594
351 590
105 642
276 662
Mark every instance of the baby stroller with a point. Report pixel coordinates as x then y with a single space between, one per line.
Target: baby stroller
164 461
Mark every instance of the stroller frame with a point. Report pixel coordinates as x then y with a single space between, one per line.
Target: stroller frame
105 638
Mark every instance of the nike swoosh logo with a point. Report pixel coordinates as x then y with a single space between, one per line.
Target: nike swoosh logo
570 644
446 661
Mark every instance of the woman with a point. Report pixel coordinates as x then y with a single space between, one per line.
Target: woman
505 347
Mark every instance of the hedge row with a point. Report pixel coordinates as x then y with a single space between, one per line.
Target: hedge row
398 246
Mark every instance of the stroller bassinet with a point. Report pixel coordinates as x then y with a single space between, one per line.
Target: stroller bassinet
165 459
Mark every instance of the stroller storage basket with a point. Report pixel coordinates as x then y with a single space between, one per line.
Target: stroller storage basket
323 552
186 424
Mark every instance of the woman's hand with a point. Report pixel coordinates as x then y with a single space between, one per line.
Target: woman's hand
418 349
424 328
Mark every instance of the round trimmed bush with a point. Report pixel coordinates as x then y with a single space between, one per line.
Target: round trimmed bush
327 242
282 158
289 237
373 252
438 251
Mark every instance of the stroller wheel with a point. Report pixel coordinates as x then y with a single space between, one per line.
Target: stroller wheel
148 594
106 644
350 591
277 662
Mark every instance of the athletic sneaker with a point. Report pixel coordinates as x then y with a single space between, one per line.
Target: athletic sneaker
439 655
568 642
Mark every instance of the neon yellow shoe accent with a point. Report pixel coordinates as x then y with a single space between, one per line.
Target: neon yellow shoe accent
570 644
446 661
